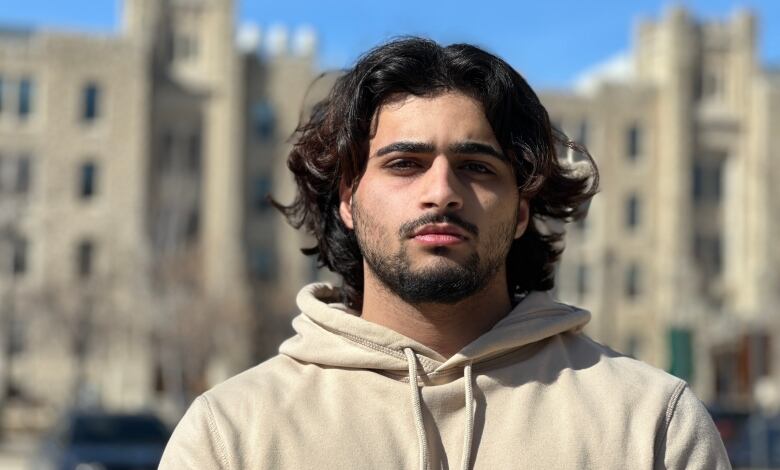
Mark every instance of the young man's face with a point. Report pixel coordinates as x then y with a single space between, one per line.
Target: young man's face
437 208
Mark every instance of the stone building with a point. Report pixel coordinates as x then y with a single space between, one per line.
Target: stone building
137 243
676 258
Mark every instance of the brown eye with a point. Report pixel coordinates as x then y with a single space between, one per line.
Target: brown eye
477 167
402 164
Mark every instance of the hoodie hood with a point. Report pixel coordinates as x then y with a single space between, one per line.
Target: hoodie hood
331 335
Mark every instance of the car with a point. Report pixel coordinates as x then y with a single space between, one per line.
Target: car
98 440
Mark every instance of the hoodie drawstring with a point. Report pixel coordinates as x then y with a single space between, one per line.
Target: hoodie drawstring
418 417
469 431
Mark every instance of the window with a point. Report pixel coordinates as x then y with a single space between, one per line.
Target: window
193 225
85 254
194 152
633 211
633 346
261 190
166 159
582 280
25 97
3 173
263 120
23 174
634 142
262 263
2 93
185 47
91 102
707 176
88 180
19 260
633 282
707 251
713 83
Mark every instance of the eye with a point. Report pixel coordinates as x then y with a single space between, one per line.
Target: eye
478 167
402 165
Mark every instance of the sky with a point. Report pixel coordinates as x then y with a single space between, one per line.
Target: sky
551 43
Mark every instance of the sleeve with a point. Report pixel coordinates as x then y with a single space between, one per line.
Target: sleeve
196 443
691 440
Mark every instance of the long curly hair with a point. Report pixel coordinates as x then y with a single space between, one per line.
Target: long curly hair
331 147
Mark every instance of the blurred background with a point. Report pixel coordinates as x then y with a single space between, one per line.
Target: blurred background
141 261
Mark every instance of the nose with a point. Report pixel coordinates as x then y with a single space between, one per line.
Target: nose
441 188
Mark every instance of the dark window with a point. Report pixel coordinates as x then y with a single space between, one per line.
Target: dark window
633 211
634 142
23 174
2 93
91 103
193 225
707 251
85 259
3 165
88 180
633 282
25 97
263 119
707 182
262 263
167 154
19 261
194 152
582 280
185 47
633 346
261 190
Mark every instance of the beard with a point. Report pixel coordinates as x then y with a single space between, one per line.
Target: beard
443 281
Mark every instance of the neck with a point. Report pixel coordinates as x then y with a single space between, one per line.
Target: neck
445 328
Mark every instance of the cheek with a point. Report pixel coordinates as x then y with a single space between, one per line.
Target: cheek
379 211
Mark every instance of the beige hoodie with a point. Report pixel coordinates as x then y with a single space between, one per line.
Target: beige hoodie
532 393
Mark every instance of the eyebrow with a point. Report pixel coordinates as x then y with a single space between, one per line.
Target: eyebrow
475 148
406 147
459 148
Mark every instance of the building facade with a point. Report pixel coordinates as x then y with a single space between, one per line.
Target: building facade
141 258
676 258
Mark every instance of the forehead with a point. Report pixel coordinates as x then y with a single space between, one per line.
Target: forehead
449 115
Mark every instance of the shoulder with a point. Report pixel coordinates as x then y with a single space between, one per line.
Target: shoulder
577 353
645 397
228 417
267 382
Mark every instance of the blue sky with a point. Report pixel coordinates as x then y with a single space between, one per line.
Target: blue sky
549 42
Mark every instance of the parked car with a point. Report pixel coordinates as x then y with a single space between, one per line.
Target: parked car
752 439
91 440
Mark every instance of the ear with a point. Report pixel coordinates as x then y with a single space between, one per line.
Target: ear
523 218
345 205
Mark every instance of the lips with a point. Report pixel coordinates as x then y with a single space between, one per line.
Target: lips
439 234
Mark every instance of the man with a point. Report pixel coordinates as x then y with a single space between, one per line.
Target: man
426 177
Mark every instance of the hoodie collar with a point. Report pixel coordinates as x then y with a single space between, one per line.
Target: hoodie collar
330 334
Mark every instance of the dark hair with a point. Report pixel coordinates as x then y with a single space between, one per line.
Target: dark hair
332 146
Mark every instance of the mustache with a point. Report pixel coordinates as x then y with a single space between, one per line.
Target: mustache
408 229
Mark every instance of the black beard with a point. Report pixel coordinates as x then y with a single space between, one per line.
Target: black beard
446 282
